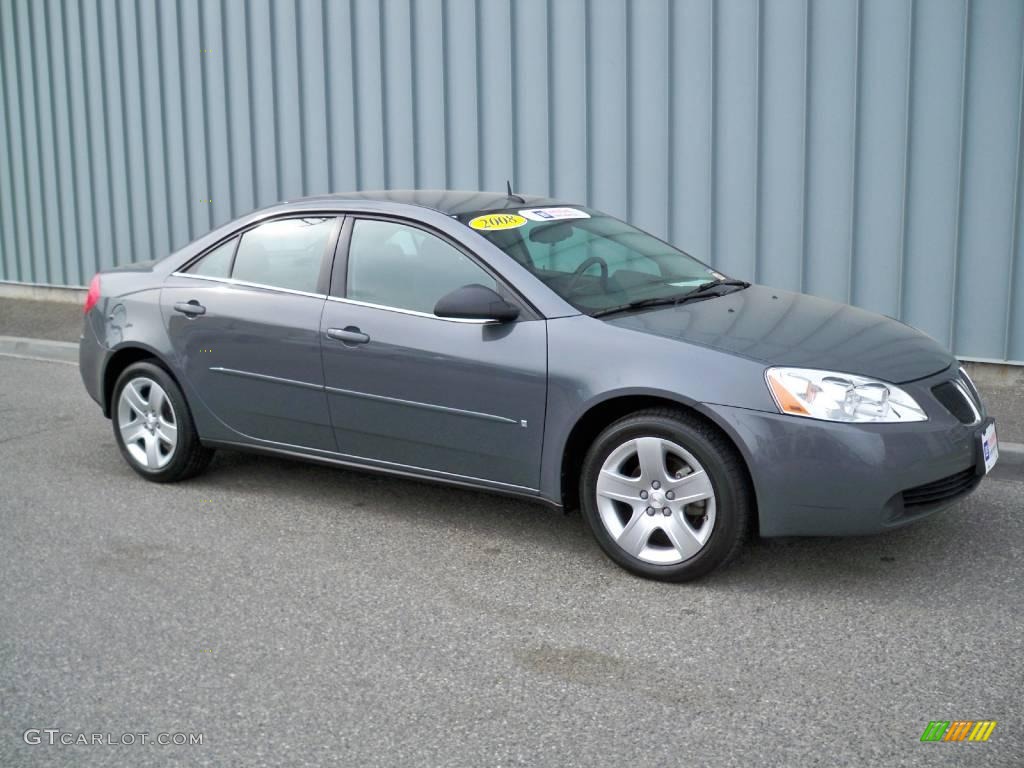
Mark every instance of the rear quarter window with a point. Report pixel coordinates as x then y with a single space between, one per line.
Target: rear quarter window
216 263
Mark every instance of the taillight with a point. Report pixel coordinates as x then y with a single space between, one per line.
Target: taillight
93 295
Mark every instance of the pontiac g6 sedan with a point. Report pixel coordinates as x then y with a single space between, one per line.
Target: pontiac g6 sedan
538 348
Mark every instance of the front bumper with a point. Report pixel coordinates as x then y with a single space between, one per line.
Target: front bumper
819 478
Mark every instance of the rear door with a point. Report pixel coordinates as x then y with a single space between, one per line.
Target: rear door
244 321
407 389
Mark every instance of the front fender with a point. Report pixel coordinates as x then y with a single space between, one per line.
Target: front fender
591 362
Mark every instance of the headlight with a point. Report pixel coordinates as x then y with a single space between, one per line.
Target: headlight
840 397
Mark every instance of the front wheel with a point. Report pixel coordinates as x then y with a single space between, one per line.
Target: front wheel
153 426
666 495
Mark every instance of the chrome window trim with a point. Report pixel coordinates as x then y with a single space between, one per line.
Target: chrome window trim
415 313
247 284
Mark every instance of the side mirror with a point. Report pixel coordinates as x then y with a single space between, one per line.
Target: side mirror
475 302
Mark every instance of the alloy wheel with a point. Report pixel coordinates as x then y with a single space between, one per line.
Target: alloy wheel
147 423
656 500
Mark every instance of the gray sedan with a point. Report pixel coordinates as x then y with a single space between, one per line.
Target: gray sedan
533 347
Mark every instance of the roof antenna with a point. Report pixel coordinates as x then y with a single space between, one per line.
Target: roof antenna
508 186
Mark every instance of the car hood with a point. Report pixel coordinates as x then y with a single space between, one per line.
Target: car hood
782 328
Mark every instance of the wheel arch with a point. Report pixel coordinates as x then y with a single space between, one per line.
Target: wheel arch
598 415
120 359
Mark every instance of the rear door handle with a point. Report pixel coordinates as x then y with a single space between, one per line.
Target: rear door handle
190 307
349 335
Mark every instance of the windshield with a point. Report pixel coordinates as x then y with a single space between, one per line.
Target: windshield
591 260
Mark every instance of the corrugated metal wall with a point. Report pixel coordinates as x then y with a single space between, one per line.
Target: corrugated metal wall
865 150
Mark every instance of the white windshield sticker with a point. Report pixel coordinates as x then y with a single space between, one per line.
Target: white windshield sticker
553 214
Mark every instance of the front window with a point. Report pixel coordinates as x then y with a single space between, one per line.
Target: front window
590 259
395 265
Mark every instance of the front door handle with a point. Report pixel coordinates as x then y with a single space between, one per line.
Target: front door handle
348 335
190 307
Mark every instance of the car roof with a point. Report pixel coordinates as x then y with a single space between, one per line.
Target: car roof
451 202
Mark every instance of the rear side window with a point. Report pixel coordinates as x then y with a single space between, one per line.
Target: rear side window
395 265
284 254
216 263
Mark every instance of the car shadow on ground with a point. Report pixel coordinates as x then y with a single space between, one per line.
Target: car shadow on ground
808 564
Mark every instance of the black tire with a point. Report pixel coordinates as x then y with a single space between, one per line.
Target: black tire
189 457
720 460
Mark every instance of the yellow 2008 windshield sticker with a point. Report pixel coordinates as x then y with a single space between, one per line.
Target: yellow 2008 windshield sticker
492 221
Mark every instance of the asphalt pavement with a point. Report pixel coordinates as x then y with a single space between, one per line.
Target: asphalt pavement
296 614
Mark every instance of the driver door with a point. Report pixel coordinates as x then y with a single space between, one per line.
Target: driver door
409 390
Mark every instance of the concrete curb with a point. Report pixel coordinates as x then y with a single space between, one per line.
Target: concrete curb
67 352
1012 453
64 294
39 349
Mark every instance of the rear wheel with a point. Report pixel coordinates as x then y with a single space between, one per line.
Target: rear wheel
153 425
666 495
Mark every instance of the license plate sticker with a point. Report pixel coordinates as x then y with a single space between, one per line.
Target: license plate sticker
989 447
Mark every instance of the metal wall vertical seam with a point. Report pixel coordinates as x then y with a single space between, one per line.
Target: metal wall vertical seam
21 126
129 186
414 101
957 232
62 238
107 120
9 181
549 101
29 159
1015 219
758 105
804 144
76 213
163 111
228 121
712 144
87 102
355 93
446 132
588 93
189 190
382 63
908 125
855 143
302 94
328 154
247 26
4 181
479 94
144 127
45 271
275 123
670 197
628 112
513 60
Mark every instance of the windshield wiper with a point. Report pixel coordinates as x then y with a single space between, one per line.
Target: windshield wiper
702 291
638 304
707 289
